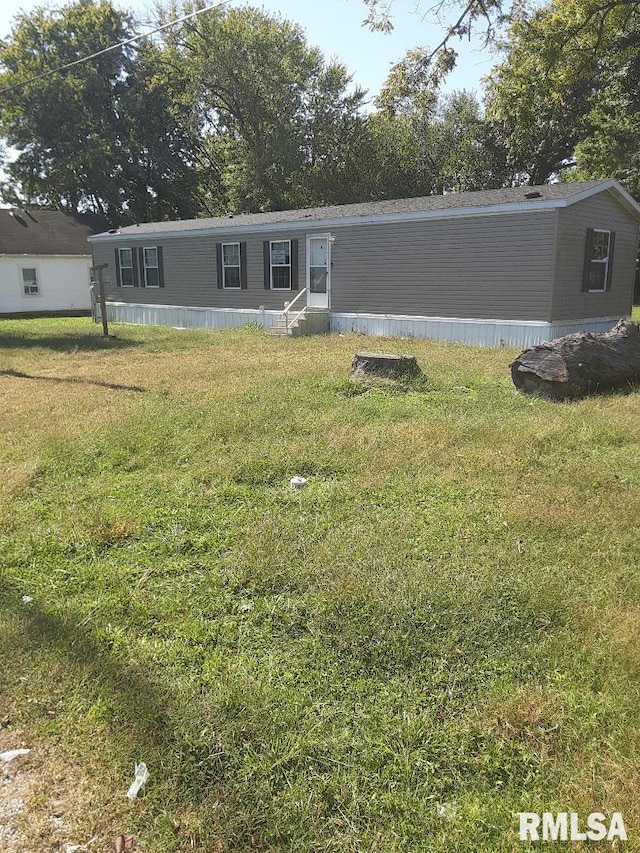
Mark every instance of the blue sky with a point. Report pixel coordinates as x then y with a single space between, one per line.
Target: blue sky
336 27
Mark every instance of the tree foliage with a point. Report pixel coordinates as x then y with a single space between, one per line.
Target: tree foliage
282 123
567 92
233 111
611 148
66 127
230 111
460 18
107 135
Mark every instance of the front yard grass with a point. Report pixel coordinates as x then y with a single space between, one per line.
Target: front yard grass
440 630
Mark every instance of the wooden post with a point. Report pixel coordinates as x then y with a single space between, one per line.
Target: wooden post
103 301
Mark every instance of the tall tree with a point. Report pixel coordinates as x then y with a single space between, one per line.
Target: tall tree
471 157
161 132
611 147
427 142
405 127
280 122
487 18
335 141
66 126
116 134
565 76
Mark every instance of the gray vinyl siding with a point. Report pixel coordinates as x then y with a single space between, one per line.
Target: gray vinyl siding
190 272
601 212
486 267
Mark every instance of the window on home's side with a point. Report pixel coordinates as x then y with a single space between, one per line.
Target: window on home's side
231 265
598 260
30 286
126 267
151 267
281 265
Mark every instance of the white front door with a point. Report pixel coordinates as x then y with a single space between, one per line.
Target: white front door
318 271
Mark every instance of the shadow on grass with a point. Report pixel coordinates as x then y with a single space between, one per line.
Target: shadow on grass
547 393
62 343
158 723
72 379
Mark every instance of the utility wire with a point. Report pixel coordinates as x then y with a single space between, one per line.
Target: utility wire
113 47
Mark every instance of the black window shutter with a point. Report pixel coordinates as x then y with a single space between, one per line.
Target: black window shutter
243 266
588 255
160 267
219 264
118 275
141 266
612 242
294 265
266 252
134 264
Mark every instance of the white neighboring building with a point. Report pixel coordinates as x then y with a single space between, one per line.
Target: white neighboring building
45 261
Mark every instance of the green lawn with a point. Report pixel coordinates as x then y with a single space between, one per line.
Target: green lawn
440 630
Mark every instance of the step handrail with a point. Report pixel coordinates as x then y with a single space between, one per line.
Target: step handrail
287 305
297 317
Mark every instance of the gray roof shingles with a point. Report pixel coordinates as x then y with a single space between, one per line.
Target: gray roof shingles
483 198
47 232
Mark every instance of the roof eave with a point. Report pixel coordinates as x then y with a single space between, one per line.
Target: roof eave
610 185
613 188
370 219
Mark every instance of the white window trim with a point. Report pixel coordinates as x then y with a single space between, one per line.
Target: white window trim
605 262
131 250
280 266
226 286
145 267
38 281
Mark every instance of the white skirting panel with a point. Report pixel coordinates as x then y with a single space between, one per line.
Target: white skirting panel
184 316
486 333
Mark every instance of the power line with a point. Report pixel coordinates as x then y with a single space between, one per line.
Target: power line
113 47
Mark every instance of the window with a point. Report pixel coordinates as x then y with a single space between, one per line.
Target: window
231 260
598 263
30 286
281 265
126 267
231 265
151 267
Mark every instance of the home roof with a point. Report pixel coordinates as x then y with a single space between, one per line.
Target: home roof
433 206
47 232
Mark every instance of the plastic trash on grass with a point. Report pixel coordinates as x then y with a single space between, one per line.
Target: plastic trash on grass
141 778
6 757
297 482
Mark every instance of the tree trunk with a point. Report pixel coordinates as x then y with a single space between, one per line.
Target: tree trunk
382 364
580 364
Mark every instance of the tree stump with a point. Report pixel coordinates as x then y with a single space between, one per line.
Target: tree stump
580 364
384 365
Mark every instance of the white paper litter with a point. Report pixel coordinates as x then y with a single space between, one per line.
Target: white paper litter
141 777
297 482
